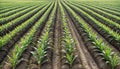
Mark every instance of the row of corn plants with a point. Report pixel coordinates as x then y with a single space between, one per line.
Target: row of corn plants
113 9
4 40
99 11
103 5
108 10
14 59
9 9
41 53
101 47
4 7
2 14
105 14
12 17
69 43
114 36
13 11
100 18
103 8
108 19
20 19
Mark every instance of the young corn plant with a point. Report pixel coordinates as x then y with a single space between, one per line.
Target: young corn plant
14 58
71 58
115 62
107 54
39 55
40 51
70 50
69 44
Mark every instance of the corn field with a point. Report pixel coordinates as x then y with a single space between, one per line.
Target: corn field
60 34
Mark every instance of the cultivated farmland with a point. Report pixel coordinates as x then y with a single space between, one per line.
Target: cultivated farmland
59 34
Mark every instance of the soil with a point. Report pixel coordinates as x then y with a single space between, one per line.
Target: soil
57 31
